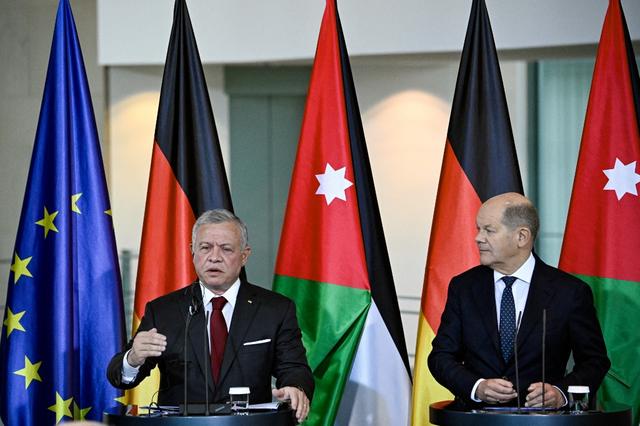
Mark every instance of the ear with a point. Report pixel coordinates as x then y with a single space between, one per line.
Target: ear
245 255
523 237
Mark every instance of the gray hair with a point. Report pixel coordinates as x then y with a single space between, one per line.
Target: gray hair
522 214
221 216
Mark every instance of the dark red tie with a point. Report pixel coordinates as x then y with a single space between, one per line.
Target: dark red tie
218 331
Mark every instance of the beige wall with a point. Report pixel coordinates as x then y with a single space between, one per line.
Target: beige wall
241 31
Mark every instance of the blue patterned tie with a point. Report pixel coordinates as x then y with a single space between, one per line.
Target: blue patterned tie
507 319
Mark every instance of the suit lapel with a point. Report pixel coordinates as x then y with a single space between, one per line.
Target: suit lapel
540 293
484 295
243 314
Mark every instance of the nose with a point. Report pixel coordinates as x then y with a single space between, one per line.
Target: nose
215 254
479 236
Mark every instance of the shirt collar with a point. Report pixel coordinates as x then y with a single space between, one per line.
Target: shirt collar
523 273
231 294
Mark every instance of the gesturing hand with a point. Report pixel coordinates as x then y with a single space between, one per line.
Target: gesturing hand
146 344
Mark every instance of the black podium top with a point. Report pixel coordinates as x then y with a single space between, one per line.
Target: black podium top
121 416
445 413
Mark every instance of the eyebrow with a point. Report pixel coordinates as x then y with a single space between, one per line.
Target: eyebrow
205 243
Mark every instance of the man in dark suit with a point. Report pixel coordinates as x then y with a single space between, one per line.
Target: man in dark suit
260 328
473 351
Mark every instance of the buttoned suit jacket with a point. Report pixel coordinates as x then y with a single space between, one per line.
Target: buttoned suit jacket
467 344
264 340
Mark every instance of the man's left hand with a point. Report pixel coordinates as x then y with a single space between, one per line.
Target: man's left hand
298 400
552 396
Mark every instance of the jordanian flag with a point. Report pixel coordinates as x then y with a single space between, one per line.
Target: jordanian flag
479 162
333 260
187 178
602 238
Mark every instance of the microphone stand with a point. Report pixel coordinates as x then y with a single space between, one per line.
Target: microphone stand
192 311
207 368
515 356
544 339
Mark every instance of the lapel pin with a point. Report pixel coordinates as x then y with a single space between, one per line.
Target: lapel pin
250 301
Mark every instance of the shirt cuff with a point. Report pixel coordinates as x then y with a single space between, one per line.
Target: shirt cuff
129 373
566 401
473 391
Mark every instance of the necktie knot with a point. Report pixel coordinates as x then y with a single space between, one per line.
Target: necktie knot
218 303
508 280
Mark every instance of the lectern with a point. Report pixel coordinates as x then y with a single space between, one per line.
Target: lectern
445 413
121 416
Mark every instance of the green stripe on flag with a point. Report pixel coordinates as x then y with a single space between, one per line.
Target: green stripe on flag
618 306
331 318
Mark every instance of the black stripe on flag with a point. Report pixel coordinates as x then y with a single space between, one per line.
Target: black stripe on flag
479 128
383 290
185 129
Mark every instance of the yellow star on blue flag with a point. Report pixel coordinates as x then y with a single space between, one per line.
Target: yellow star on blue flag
29 372
47 222
74 203
13 321
80 413
62 407
19 268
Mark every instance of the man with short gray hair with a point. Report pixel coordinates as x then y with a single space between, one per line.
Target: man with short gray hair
253 333
492 306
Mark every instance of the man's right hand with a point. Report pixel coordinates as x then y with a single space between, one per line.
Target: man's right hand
495 391
146 344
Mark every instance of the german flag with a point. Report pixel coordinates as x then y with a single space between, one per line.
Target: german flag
479 162
187 177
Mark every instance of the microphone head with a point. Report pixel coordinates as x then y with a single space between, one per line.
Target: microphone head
195 302
194 306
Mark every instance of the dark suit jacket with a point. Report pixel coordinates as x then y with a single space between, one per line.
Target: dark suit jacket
466 347
259 314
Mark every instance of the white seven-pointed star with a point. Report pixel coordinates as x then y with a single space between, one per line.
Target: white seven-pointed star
333 184
622 179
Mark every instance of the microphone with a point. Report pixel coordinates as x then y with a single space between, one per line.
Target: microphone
194 306
515 357
193 309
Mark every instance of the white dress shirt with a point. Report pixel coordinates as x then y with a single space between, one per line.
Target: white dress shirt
520 287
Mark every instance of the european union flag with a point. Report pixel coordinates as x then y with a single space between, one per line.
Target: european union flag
64 315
